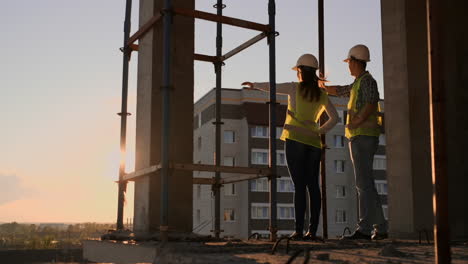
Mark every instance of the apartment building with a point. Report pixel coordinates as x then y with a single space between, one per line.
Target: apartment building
245 205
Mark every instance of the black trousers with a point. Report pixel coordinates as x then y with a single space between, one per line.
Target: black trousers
304 165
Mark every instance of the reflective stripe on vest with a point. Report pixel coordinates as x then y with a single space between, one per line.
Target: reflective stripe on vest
371 126
301 123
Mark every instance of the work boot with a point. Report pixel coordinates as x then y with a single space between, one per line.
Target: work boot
312 237
356 236
379 236
296 236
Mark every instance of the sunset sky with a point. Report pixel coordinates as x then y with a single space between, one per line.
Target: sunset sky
60 81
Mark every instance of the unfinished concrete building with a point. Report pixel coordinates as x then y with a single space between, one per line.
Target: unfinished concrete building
425 73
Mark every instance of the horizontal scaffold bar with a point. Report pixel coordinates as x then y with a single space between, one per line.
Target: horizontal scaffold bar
239 178
243 46
226 180
222 19
140 173
257 172
224 169
144 29
202 57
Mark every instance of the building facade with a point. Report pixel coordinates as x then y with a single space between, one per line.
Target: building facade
245 205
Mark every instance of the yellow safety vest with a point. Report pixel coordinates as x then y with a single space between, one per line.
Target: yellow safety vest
302 123
370 127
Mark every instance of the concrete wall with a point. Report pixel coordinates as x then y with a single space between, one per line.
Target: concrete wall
149 115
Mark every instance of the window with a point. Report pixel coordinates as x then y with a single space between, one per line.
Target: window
266 234
382 140
385 211
340 191
339 166
279 131
340 216
199 143
229 215
340 117
260 211
260 156
229 161
259 185
230 189
229 136
381 187
286 211
280 158
285 185
198 216
263 233
260 131
380 162
264 132
198 191
199 120
339 141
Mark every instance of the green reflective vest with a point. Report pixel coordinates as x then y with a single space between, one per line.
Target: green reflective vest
301 124
370 127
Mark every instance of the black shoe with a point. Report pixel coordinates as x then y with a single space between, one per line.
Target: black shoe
296 236
356 236
312 237
379 236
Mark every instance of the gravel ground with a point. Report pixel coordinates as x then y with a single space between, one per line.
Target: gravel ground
332 251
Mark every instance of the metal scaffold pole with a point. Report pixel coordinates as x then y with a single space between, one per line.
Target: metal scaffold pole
123 117
218 64
437 111
166 86
272 121
323 175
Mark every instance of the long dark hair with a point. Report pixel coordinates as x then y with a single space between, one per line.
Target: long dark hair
309 87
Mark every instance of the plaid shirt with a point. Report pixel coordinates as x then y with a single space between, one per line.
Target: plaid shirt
368 93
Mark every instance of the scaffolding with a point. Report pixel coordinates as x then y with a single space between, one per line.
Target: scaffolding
246 173
266 31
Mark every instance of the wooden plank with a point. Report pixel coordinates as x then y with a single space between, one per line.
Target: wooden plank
225 169
144 29
222 19
244 45
239 178
208 181
202 57
252 173
140 173
134 47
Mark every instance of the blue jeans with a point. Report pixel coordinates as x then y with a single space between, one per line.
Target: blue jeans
362 150
303 165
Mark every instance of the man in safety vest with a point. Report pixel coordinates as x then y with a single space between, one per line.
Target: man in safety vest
363 130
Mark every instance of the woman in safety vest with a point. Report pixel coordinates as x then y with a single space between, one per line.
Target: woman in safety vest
301 131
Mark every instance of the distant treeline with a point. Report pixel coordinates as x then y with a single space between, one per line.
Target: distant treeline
43 236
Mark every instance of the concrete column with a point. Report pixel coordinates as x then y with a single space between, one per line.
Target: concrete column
149 115
455 70
404 34
407 116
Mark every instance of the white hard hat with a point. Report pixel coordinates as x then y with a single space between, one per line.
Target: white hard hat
308 60
359 52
